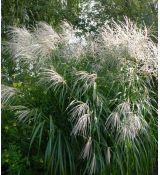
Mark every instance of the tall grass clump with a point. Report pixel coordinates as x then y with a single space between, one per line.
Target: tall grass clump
90 101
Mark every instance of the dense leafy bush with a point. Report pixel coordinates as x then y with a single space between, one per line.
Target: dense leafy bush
89 102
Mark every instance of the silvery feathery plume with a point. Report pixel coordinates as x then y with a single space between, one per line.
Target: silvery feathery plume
30 46
108 155
21 43
126 123
22 112
92 46
100 99
123 108
87 148
113 121
74 45
47 39
87 79
78 109
68 33
7 93
52 78
93 164
80 114
81 125
121 39
132 126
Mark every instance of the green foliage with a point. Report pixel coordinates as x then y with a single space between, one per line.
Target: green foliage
28 12
12 157
13 160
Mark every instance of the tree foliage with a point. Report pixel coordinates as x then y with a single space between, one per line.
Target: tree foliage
84 15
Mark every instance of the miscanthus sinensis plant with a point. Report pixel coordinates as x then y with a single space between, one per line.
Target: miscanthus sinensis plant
90 101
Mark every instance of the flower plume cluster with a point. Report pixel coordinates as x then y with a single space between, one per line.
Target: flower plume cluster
80 113
7 93
116 41
127 39
29 46
125 122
